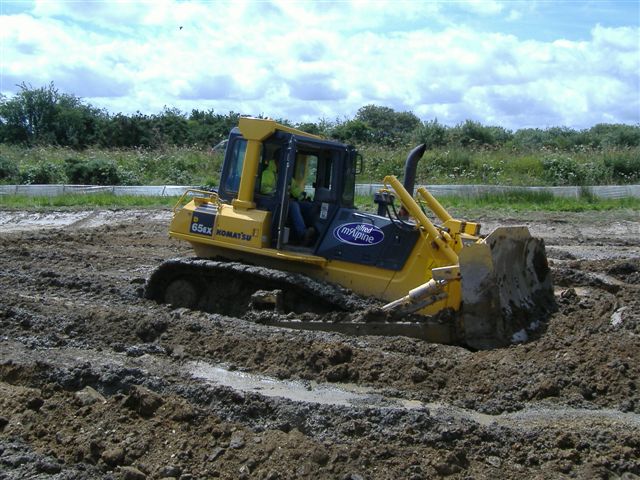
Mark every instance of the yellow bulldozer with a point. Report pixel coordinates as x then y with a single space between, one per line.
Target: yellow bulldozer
409 269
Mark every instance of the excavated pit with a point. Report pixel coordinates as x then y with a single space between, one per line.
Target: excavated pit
97 382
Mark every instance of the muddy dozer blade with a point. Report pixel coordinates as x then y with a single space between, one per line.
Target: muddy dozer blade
506 288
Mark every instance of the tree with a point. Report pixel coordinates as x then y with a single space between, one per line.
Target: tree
614 135
170 127
128 132
309 127
432 133
355 131
474 134
46 116
208 128
387 126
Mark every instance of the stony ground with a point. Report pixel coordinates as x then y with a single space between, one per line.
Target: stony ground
96 382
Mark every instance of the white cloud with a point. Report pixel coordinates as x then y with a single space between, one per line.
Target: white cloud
514 15
305 60
483 7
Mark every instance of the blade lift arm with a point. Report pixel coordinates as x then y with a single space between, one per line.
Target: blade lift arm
442 241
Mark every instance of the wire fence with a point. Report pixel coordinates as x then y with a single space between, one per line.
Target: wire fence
601 191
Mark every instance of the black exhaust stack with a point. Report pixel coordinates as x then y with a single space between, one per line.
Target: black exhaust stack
411 165
383 200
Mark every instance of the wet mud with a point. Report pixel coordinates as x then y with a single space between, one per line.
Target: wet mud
97 382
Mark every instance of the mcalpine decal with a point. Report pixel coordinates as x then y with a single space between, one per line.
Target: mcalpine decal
360 234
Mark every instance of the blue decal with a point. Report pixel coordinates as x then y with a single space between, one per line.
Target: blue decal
360 234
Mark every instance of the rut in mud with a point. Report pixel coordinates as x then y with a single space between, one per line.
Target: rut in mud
96 381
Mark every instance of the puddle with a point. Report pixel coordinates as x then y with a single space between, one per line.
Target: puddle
361 397
18 221
349 395
309 392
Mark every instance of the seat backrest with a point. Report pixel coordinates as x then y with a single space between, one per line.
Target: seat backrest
322 195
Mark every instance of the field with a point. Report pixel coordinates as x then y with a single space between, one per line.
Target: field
96 382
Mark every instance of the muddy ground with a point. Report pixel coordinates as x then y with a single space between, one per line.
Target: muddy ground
96 382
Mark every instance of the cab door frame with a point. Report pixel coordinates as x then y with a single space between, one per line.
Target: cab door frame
290 157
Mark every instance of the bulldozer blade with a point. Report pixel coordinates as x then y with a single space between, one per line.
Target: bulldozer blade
506 288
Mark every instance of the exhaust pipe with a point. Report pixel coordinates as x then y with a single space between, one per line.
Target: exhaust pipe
411 165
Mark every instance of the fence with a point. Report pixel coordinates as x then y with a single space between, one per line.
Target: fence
56 190
604 191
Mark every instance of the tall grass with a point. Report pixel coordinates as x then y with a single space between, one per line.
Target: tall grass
504 166
170 165
440 165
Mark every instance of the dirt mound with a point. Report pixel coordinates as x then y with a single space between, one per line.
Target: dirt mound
97 382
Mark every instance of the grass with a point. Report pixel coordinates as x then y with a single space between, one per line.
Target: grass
523 201
528 202
100 200
515 201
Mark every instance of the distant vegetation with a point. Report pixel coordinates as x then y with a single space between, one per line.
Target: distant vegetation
516 202
51 137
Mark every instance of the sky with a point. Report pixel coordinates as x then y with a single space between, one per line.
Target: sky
515 64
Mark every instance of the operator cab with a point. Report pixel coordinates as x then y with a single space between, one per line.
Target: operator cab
323 170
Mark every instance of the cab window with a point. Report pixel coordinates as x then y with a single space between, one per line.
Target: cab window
270 151
325 171
349 179
325 177
232 183
304 171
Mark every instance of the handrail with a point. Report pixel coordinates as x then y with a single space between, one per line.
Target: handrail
212 197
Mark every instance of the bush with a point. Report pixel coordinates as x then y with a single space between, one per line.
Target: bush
474 134
527 139
614 135
624 166
96 171
596 173
183 169
559 170
8 169
380 161
41 174
127 177
431 133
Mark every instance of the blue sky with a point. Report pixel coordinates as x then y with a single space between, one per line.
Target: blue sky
511 63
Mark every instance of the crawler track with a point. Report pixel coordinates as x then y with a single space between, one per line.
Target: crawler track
227 287
230 288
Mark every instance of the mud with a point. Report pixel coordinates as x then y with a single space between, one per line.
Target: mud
97 382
